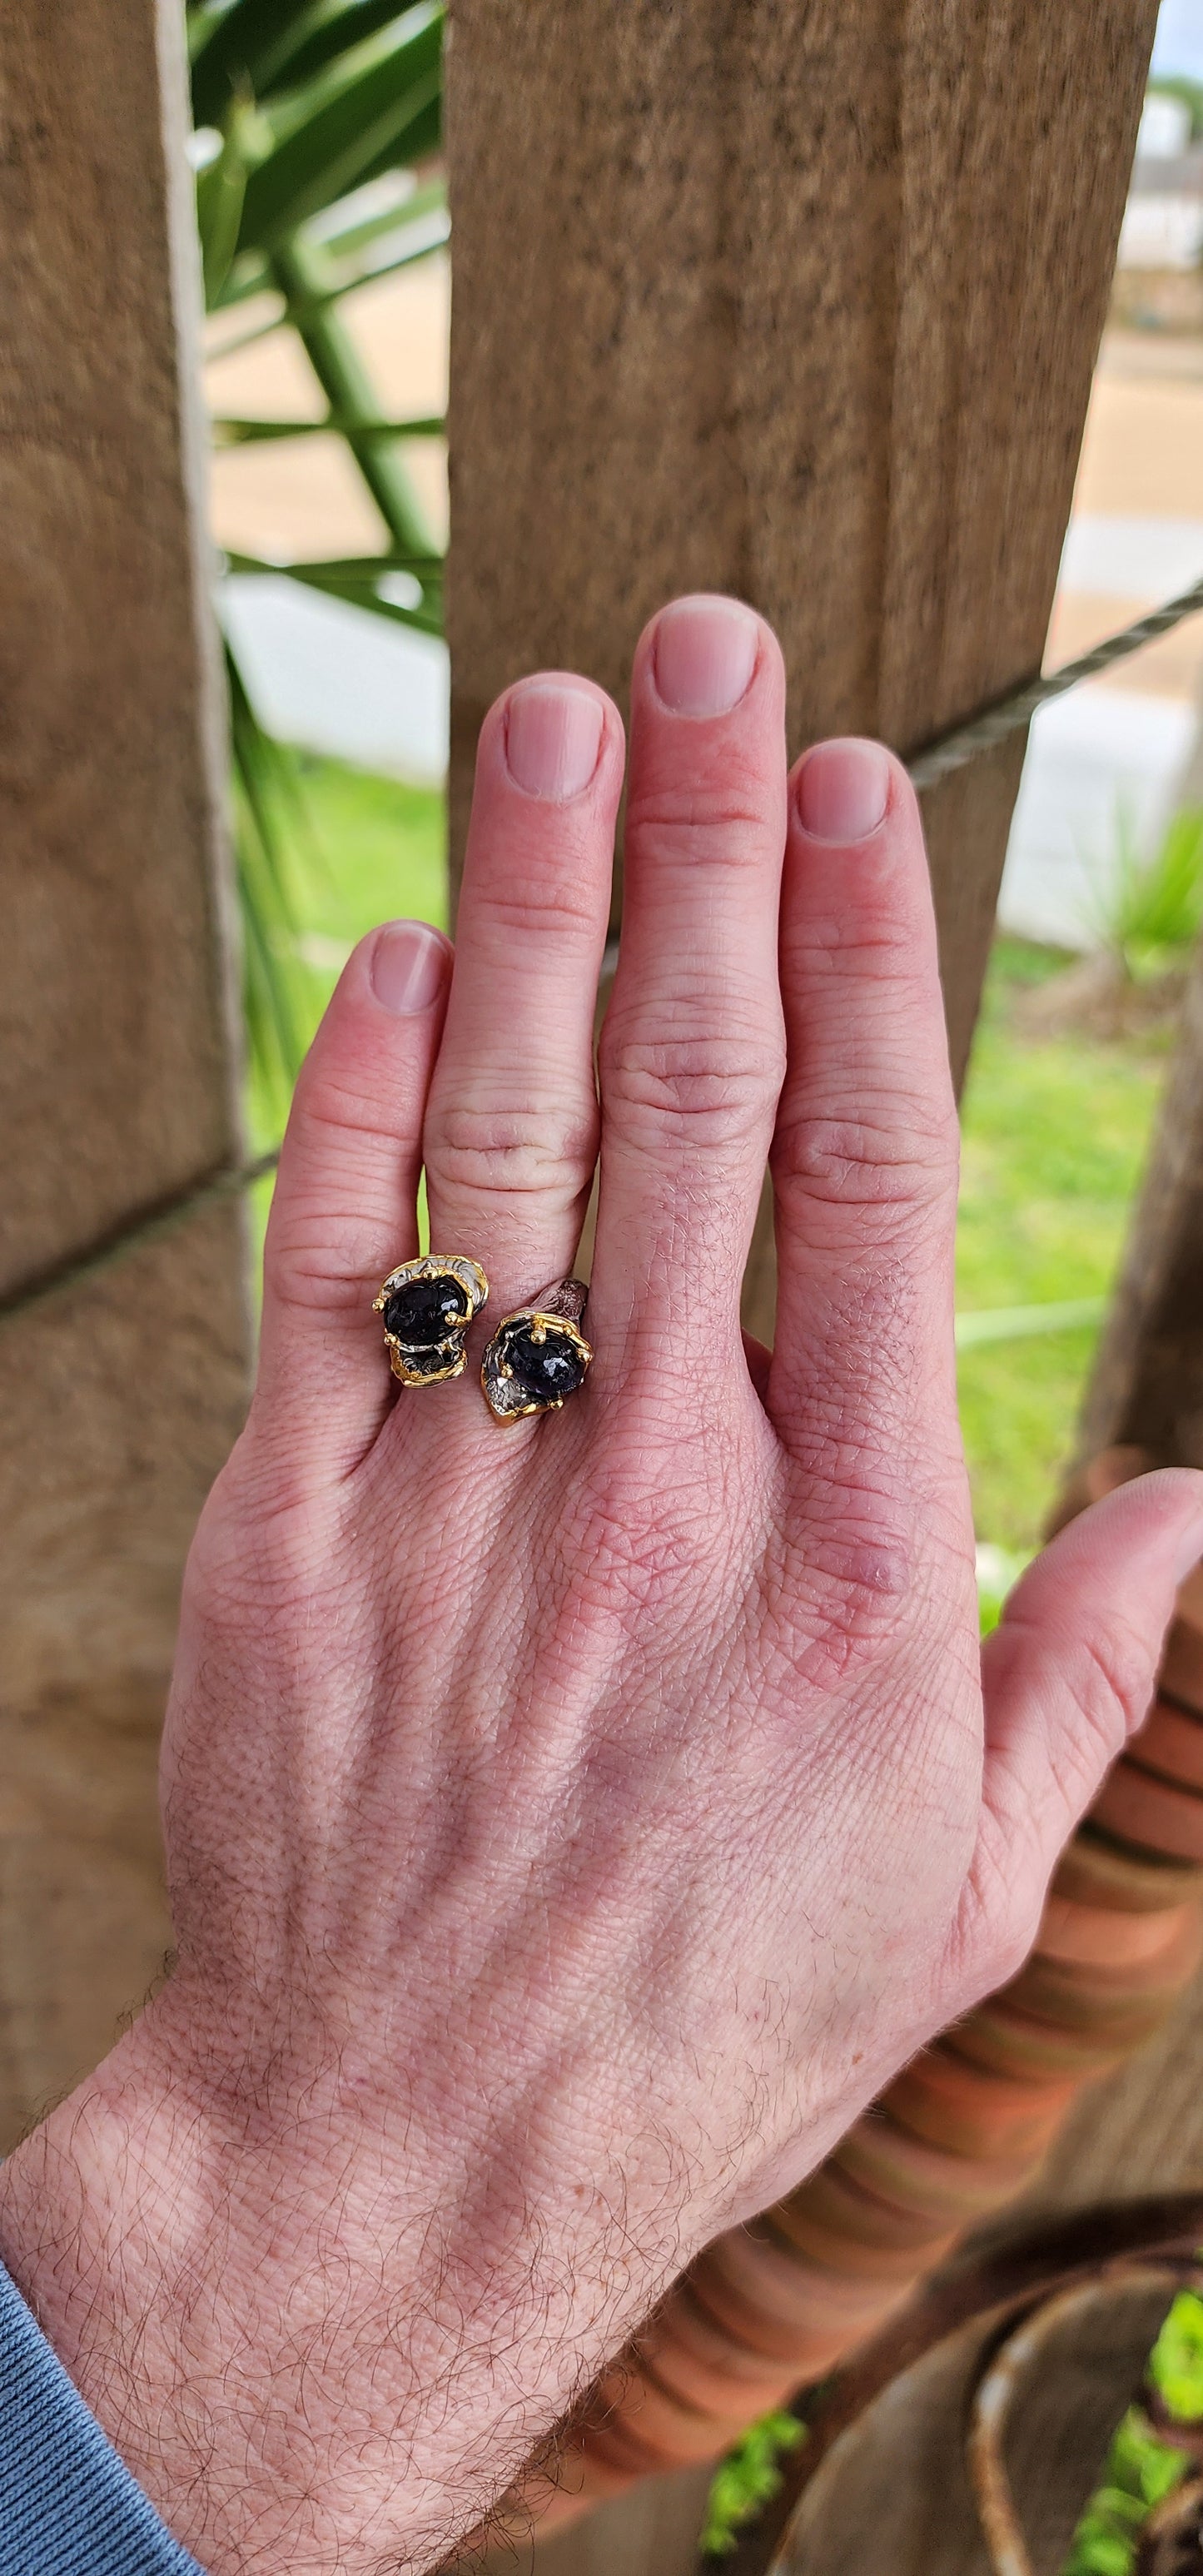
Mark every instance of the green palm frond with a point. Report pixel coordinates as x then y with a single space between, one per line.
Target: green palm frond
275 985
311 118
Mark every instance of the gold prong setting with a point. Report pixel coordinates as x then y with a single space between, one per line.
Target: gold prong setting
538 1356
427 1307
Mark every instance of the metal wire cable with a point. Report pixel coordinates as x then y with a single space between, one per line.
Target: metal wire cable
953 750
229 1180
949 752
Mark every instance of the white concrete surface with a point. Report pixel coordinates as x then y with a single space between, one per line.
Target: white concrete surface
337 679
1098 758
1131 558
1161 231
1164 128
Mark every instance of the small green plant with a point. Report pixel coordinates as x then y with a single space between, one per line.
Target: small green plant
1150 915
746 2479
1142 2467
315 122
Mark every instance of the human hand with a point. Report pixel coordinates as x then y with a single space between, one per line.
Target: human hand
572 1826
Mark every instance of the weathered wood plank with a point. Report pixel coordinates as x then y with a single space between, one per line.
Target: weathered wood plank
896 2490
117 1066
800 302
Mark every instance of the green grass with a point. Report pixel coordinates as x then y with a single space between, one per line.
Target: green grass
370 850
1054 1137
382 846
1141 2468
745 2480
360 850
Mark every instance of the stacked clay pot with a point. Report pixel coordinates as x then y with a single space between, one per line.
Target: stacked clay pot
769 2307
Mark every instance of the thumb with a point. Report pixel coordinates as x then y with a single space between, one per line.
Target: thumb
1068 1676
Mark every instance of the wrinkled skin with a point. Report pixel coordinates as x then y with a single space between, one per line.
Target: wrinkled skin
571 1826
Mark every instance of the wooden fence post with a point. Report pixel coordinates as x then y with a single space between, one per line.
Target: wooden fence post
800 302
120 1396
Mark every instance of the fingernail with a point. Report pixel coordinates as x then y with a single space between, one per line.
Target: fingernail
704 655
409 966
552 738
843 790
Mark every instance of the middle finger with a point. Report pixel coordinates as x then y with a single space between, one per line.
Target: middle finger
692 1051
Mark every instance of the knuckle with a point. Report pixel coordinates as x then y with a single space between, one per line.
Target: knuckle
998 1916
893 1159
323 1261
516 1151
715 1088
1107 1677
1112 1684
839 948
998 1923
326 1112
562 917
720 822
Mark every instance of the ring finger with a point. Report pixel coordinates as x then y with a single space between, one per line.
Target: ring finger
510 1138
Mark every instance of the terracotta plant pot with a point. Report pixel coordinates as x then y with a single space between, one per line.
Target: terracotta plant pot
1095 1869
1015 2043
905 2169
975 2111
1151 1812
688 2353
780 2288
1171 1743
1101 1937
1093 1995
1182 1670
836 2249
628 2406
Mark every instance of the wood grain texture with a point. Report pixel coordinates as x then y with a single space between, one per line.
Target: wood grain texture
117 1058
801 303
895 2491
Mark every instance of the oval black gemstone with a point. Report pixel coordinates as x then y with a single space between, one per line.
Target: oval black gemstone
550 1368
423 1312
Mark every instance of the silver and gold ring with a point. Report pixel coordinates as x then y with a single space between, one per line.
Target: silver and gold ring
537 1358
427 1307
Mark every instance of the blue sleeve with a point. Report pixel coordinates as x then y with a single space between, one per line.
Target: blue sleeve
68 2505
